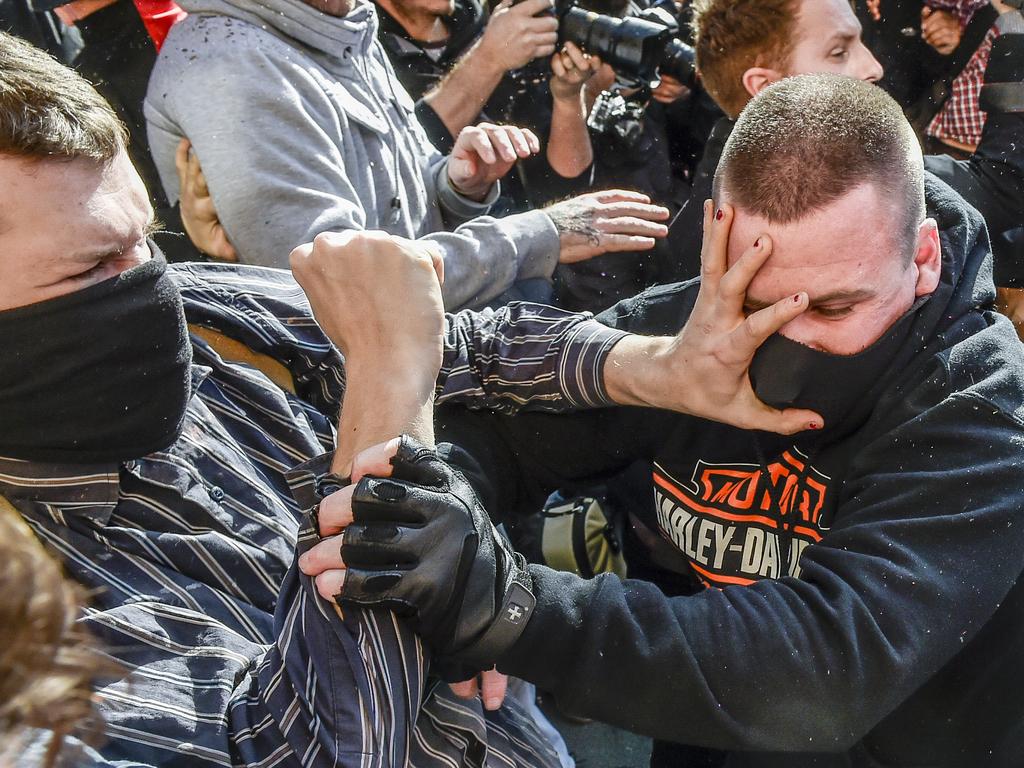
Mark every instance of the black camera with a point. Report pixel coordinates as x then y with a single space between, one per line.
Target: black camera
639 48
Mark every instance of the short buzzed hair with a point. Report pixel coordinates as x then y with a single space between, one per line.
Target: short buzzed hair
48 111
804 142
731 36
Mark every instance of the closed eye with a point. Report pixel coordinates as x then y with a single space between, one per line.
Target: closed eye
833 313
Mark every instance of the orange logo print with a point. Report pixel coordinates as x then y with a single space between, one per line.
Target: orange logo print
726 522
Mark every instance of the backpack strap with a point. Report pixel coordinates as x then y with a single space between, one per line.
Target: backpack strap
235 351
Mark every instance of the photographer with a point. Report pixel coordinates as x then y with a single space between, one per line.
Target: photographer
629 130
462 66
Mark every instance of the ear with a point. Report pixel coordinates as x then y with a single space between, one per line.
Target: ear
928 259
756 79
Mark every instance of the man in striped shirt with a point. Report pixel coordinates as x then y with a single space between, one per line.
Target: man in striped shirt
166 432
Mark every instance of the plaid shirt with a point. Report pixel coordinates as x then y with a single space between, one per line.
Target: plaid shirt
961 118
189 552
964 10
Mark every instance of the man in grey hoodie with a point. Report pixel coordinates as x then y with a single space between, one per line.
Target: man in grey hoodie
302 127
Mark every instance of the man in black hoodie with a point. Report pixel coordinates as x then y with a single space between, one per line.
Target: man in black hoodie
856 593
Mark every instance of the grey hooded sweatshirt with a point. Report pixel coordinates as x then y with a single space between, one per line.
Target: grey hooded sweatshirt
302 127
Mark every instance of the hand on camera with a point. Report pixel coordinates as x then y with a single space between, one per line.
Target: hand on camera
415 539
669 90
603 222
484 153
571 68
515 35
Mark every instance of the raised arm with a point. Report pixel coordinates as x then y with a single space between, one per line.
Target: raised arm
376 298
514 36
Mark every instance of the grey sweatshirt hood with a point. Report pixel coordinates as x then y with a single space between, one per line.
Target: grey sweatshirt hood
296 21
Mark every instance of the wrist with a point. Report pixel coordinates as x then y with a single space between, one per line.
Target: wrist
639 369
569 97
477 193
382 402
483 58
568 101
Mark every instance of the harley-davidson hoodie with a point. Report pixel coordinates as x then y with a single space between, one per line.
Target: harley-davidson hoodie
861 601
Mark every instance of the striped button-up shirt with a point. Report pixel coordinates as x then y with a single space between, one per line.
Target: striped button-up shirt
230 657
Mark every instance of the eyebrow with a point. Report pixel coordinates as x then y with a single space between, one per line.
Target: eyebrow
857 294
152 225
846 34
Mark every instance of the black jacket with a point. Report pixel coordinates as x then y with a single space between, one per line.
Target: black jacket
895 641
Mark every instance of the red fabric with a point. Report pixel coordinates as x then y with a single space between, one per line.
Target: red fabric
964 10
159 16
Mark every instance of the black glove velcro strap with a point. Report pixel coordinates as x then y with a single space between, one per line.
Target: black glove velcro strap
508 625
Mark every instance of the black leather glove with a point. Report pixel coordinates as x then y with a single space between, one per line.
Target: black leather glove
422 545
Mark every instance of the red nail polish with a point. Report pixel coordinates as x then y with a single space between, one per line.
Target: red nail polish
720 215
814 425
757 243
796 299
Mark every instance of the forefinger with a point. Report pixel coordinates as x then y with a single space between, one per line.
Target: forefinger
335 511
763 323
637 209
715 247
621 195
732 288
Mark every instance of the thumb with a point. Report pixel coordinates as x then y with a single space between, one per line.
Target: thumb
786 422
462 168
375 460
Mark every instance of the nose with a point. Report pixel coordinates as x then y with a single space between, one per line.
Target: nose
803 331
868 67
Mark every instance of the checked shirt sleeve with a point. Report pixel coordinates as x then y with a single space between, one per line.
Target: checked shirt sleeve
525 356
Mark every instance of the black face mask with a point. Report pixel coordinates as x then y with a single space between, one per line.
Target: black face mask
102 374
787 374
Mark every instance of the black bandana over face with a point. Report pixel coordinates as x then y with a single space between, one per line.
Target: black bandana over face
102 374
787 374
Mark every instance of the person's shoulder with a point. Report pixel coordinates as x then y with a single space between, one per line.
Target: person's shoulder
211 46
661 310
245 290
973 381
217 66
988 367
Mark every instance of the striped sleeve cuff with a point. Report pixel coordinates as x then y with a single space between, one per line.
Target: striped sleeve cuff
581 375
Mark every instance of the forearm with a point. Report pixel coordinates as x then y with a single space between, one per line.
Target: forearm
384 398
634 368
460 97
485 256
569 151
525 356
